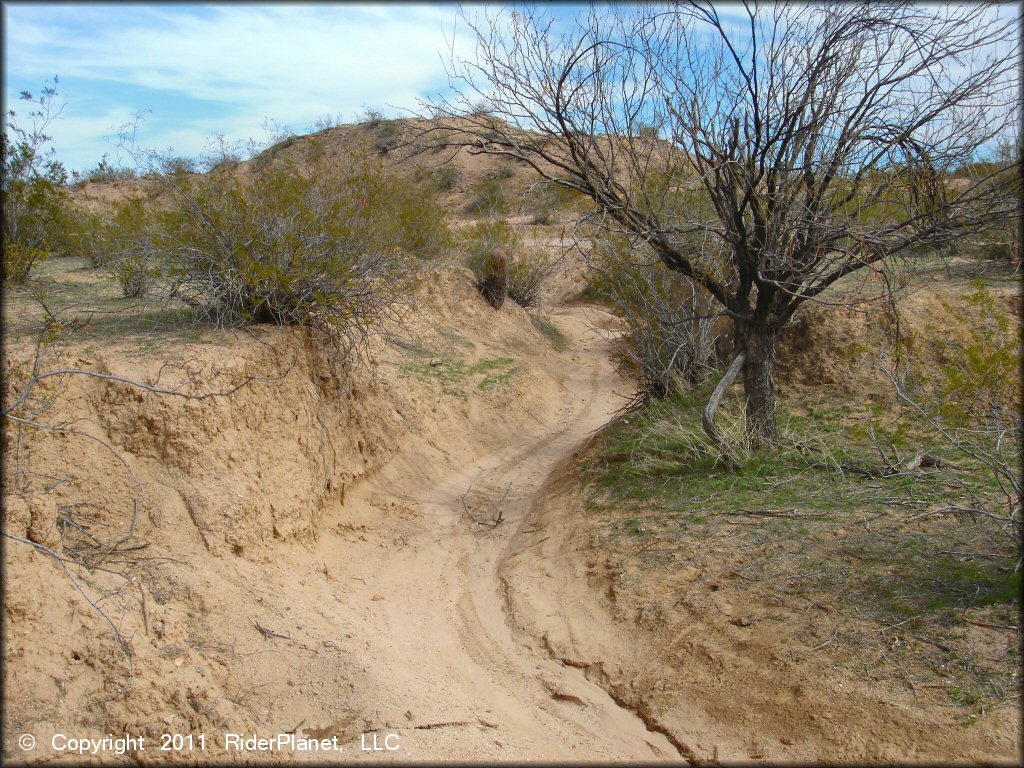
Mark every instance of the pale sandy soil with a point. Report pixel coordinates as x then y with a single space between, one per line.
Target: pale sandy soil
451 673
397 607
279 591
728 676
321 563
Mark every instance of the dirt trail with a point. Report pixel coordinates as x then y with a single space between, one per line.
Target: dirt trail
449 672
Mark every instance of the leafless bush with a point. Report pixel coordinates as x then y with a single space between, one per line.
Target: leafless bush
671 324
975 405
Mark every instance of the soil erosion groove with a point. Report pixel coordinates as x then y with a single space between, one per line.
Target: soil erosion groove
440 642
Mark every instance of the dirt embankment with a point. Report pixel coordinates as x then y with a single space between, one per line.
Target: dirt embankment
721 674
729 665
264 585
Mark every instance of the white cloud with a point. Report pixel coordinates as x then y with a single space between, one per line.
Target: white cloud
292 63
221 69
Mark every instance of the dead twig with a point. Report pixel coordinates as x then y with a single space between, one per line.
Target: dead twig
497 516
269 633
145 611
835 634
987 625
63 564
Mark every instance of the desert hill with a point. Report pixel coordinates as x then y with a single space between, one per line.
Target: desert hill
258 541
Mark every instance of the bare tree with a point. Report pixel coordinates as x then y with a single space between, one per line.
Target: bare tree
766 154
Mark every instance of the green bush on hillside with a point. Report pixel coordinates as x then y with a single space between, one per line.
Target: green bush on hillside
488 196
546 199
325 249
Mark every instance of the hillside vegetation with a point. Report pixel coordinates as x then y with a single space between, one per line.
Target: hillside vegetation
258 417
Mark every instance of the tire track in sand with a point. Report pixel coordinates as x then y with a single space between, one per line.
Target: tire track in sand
442 648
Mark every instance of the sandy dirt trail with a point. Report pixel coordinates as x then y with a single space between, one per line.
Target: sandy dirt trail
450 672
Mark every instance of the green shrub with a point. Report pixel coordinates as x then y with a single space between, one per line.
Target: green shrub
32 182
371 118
528 273
445 178
546 199
175 165
483 238
487 198
114 237
135 276
317 248
19 260
105 172
420 225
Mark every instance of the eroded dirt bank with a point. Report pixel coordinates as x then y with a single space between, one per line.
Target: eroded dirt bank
395 557
305 560
451 677
727 675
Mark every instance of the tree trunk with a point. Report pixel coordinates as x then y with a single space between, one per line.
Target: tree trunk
759 385
708 416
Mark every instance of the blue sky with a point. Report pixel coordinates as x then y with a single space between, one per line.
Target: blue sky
199 70
202 70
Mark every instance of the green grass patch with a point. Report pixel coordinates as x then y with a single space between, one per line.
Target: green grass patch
660 452
879 559
457 377
558 340
655 458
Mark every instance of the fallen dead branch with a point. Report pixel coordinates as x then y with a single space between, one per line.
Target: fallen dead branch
708 414
494 512
64 565
269 633
987 625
